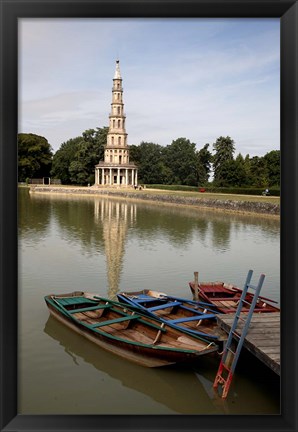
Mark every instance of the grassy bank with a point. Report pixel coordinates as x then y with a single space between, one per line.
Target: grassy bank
231 203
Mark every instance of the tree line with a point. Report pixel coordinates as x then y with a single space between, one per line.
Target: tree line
179 163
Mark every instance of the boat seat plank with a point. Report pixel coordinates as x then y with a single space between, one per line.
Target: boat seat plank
194 308
193 318
225 298
226 303
164 306
140 300
115 320
153 325
90 308
73 301
146 300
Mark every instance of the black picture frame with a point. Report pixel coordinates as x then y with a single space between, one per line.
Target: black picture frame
11 11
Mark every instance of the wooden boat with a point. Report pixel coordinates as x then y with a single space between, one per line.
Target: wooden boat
225 298
179 313
120 330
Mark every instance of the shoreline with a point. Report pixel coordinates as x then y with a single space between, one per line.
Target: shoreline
226 205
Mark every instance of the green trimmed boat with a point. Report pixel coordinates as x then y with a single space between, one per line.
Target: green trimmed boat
123 331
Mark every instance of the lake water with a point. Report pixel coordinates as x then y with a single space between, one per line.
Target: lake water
105 245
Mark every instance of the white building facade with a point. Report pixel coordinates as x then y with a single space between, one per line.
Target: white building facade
116 170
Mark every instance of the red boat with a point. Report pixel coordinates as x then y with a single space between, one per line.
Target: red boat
225 298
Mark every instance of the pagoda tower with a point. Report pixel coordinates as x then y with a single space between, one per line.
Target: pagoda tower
116 170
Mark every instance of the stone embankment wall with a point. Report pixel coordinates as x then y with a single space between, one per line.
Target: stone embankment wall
227 205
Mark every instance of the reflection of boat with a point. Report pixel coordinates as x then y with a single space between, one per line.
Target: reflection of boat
175 387
134 336
196 318
225 298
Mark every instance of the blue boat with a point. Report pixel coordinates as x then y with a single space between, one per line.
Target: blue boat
194 317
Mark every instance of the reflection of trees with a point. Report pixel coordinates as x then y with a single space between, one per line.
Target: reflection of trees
221 234
75 217
224 226
179 225
176 225
33 216
266 226
102 224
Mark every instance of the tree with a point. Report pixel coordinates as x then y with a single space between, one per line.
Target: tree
89 153
74 162
234 172
63 158
241 178
272 161
224 153
34 156
258 172
181 159
149 159
204 165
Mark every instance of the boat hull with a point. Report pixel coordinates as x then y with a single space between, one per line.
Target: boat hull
225 298
149 355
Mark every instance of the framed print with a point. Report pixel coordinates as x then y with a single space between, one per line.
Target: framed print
51 379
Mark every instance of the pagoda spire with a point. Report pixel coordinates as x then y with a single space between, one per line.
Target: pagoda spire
117 71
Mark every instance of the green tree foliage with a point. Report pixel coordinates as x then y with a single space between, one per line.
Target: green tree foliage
149 159
181 159
178 163
204 165
233 172
74 162
34 156
90 152
258 175
272 161
63 158
224 153
240 177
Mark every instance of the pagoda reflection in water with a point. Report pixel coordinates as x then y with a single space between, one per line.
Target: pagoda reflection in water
115 217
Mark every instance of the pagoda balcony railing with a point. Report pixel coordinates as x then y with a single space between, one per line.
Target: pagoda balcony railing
117 115
116 165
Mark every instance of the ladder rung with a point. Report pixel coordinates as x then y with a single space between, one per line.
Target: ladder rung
236 334
221 380
226 367
240 318
245 301
231 351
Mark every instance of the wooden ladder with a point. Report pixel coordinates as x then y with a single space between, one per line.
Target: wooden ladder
234 342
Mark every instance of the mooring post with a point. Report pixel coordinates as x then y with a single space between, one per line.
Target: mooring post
196 294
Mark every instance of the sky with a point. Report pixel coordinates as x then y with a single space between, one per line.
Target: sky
194 78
